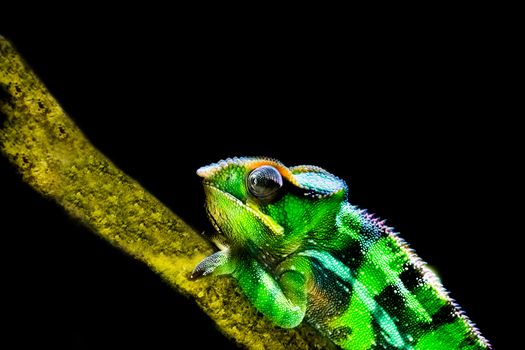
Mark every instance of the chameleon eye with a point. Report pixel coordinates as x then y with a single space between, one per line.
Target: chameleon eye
264 181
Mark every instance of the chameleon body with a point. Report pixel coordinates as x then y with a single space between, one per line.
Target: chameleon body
301 252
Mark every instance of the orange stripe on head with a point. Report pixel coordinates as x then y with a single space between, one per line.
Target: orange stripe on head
250 163
253 163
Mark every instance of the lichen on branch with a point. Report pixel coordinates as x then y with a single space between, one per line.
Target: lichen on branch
56 159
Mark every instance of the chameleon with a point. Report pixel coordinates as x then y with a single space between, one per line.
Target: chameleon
301 252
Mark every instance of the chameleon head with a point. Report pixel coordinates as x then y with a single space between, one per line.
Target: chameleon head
256 202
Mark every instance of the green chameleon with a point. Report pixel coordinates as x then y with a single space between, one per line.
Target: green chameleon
300 251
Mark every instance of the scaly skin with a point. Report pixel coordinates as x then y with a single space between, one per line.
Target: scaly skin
300 251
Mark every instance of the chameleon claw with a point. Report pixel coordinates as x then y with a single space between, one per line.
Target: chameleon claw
197 273
218 263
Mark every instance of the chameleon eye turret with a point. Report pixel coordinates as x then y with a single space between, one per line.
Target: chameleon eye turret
264 181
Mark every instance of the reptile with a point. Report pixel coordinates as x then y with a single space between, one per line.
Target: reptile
301 252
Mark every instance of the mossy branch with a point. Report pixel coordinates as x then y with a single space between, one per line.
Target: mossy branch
57 160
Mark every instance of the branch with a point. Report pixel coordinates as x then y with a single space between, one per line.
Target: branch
56 159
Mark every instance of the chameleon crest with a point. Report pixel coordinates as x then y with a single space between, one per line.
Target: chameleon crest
300 251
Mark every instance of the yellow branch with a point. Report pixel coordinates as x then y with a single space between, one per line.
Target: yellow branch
56 159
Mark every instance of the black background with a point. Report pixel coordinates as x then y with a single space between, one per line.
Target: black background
408 115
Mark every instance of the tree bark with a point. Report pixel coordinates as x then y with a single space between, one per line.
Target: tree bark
56 159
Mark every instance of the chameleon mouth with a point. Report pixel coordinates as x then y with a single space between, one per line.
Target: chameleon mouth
214 222
210 188
211 210
231 209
